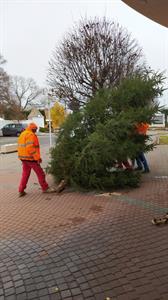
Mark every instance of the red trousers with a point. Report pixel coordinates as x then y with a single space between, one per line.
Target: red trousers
26 170
126 164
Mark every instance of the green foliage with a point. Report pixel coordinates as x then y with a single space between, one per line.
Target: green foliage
93 140
163 140
137 92
70 140
43 129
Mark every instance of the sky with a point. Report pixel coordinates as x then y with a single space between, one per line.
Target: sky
31 29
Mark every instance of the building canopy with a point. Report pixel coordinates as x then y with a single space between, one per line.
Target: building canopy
156 10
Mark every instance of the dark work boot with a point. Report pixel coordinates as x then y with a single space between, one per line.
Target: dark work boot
22 194
146 171
138 169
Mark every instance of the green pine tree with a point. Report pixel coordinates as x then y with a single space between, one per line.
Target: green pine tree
103 133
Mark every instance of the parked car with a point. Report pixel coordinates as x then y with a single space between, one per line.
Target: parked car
13 129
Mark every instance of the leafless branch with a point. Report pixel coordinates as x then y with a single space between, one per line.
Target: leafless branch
96 54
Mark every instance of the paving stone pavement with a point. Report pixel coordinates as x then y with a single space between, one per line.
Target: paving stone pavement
83 246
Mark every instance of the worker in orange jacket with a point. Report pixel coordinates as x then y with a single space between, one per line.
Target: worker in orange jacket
141 161
142 128
29 154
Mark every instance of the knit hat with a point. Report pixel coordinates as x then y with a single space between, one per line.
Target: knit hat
32 126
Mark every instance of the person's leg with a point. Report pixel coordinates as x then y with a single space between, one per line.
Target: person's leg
127 165
144 162
26 170
139 163
119 165
133 162
40 175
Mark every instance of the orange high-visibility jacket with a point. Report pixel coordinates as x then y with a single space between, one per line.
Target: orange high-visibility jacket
28 146
142 128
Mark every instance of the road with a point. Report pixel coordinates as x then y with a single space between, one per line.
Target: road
44 140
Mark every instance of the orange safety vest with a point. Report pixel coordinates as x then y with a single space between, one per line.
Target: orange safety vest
28 146
142 128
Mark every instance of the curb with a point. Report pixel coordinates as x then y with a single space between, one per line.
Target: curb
8 148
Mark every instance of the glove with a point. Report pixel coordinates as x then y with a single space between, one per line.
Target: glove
39 161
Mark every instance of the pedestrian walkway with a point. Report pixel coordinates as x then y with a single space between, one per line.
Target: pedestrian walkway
83 246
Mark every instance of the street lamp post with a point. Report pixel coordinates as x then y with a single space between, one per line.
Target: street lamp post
49 119
48 95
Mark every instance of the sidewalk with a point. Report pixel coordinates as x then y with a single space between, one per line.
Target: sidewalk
83 246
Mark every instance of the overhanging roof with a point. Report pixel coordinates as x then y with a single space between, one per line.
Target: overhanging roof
157 10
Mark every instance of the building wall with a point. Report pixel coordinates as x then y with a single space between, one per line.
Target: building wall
38 120
158 121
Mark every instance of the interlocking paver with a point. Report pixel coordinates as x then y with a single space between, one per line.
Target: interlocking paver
32 295
66 294
22 296
83 246
12 297
10 291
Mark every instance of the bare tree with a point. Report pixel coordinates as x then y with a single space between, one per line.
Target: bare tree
24 91
5 97
4 82
2 60
16 93
97 54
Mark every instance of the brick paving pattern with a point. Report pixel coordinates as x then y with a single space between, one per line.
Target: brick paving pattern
83 246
